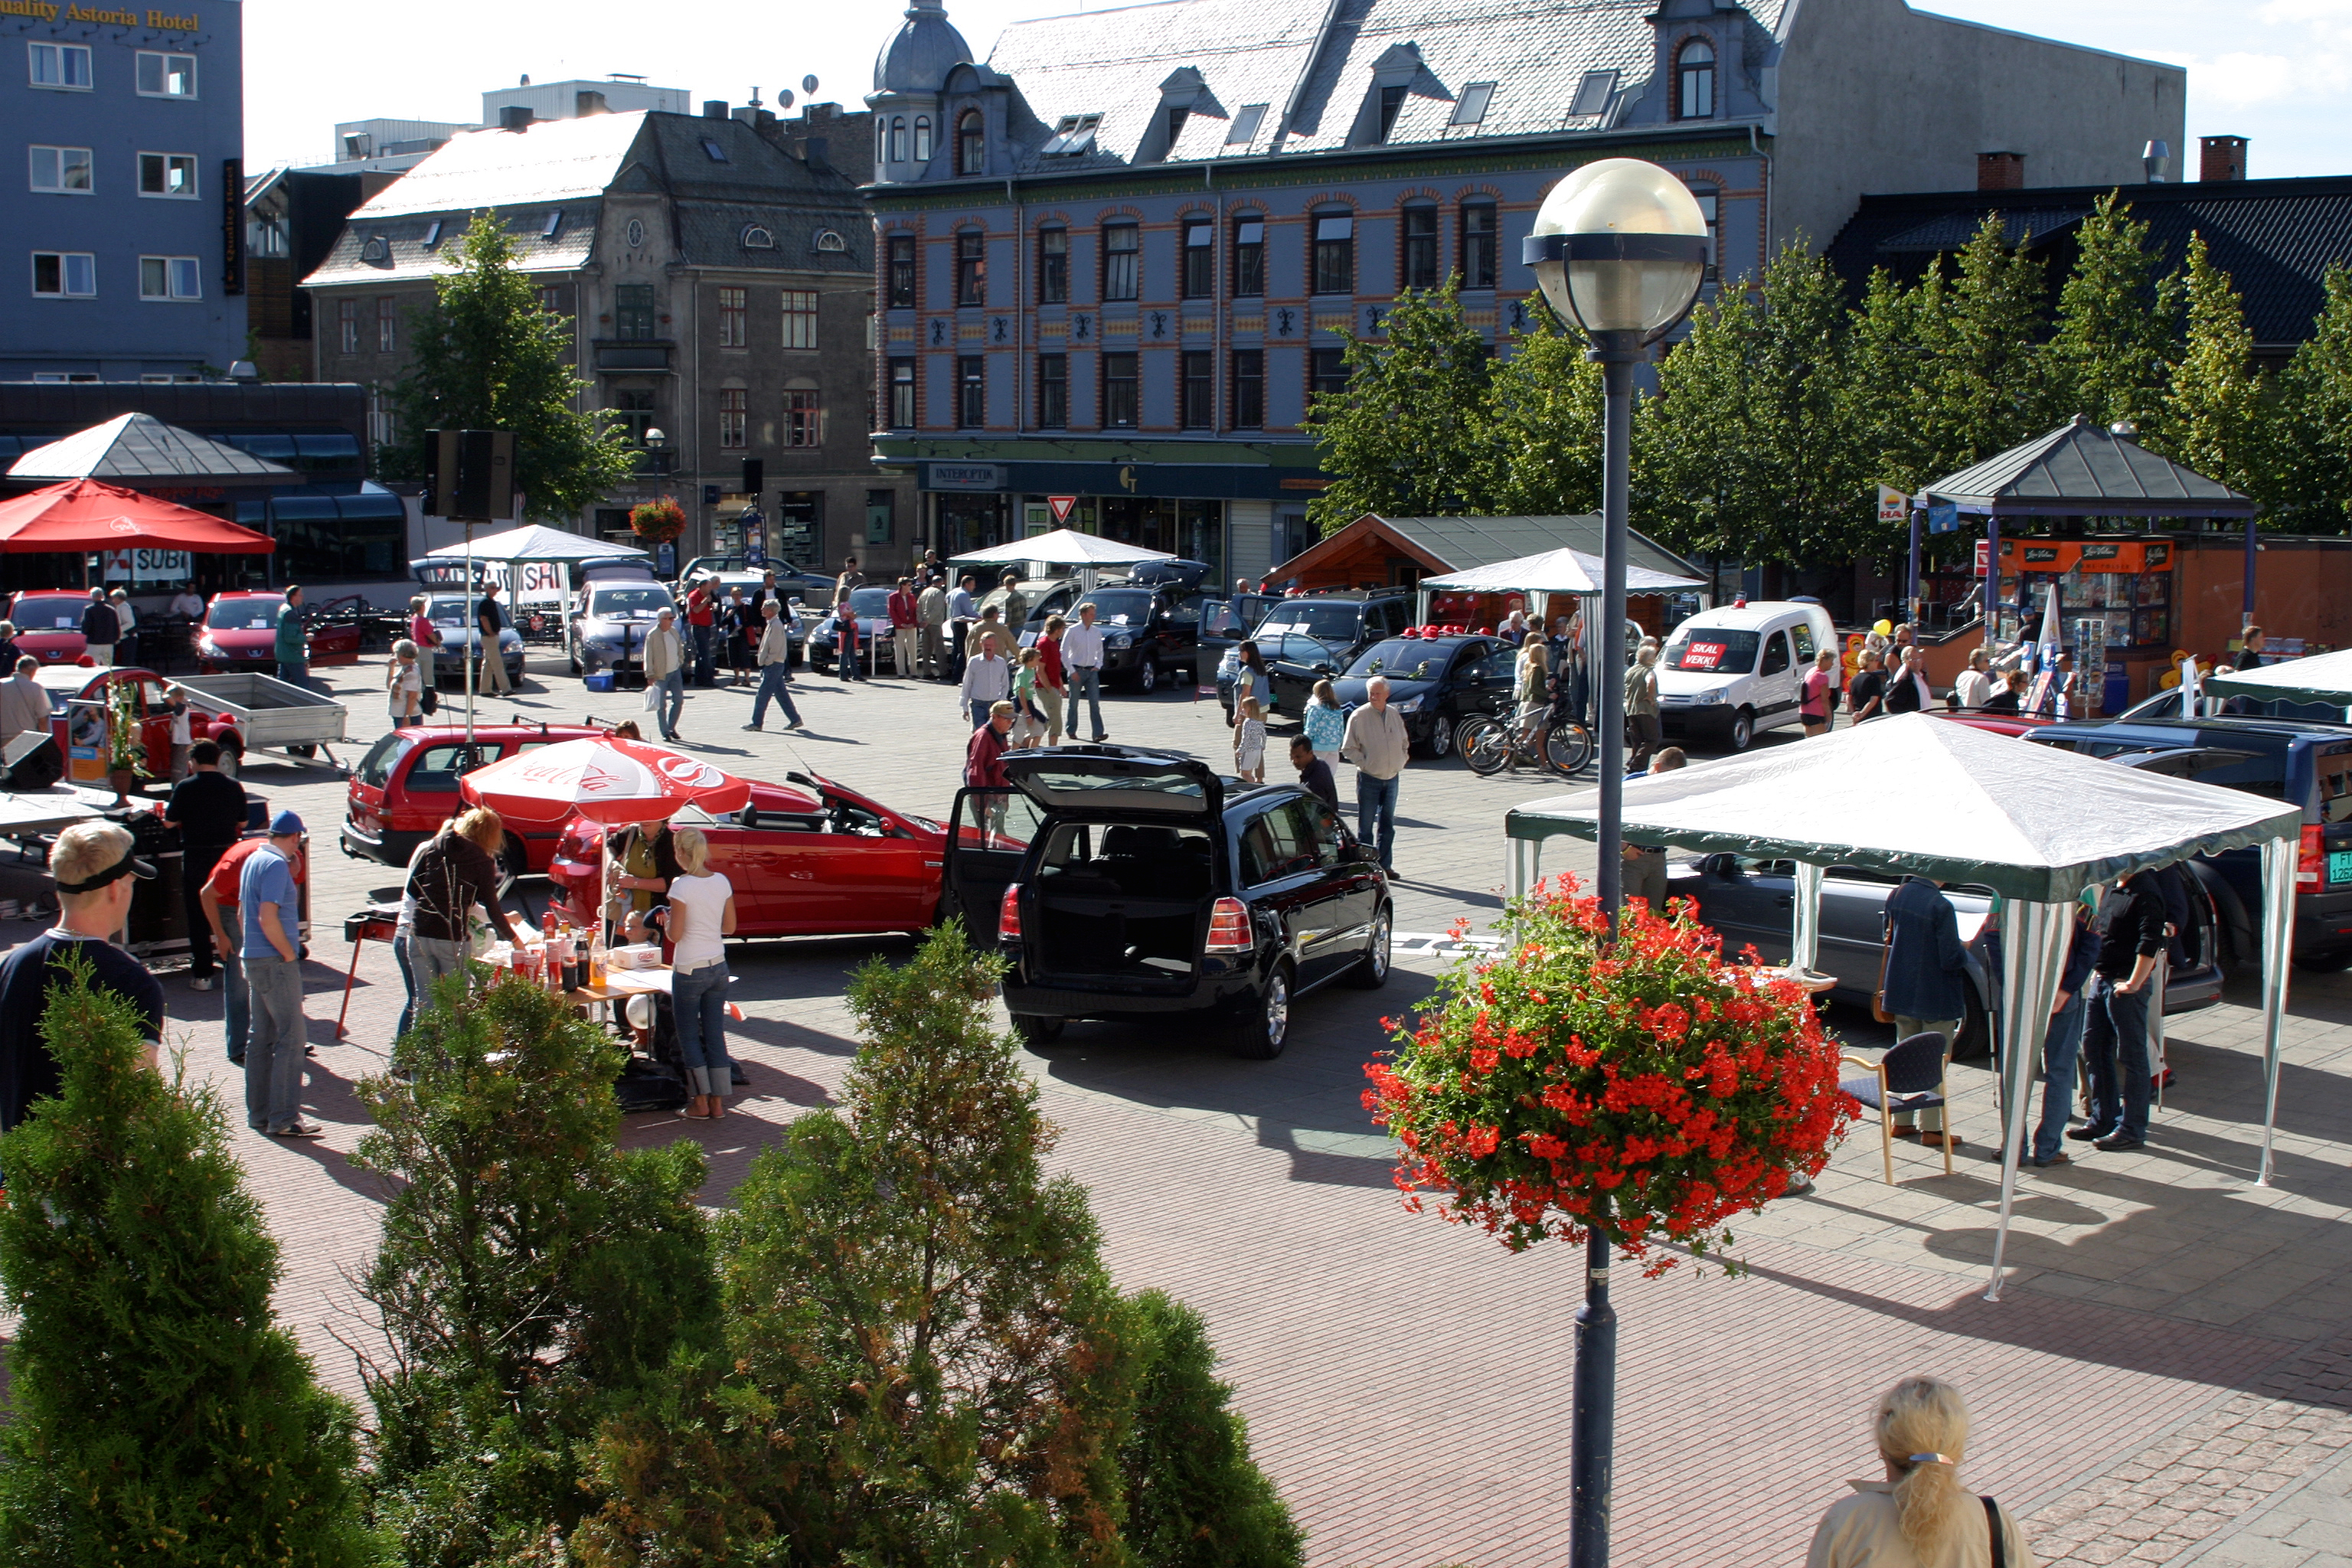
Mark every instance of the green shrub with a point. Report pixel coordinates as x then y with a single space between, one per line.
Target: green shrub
1194 1498
160 1415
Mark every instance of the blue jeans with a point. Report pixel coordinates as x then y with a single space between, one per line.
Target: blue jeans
1376 803
408 983
980 713
273 1051
775 681
1086 686
699 1001
2115 1041
236 1006
2060 1048
703 672
673 703
295 672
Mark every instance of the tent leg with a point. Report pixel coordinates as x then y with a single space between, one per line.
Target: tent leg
2039 934
2278 933
1805 919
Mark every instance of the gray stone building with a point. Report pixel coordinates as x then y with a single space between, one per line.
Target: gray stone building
1114 258
719 286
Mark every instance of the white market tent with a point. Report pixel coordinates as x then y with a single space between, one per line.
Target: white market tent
2323 679
1552 572
2034 824
531 543
1065 547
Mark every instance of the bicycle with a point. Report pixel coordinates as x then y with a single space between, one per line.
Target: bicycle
1489 744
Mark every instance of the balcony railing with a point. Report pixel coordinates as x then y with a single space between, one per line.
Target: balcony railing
614 355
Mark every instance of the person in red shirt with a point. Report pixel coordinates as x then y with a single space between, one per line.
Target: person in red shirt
221 913
906 630
1052 683
983 758
702 615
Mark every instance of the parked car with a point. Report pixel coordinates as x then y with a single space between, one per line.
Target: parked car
1435 682
608 630
1726 674
1748 900
48 624
806 857
2308 764
406 787
795 629
1312 637
1129 884
1043 596
240 633
460 644
872 608
1149 634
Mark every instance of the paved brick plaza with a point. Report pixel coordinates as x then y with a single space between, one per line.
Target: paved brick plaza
2168 1378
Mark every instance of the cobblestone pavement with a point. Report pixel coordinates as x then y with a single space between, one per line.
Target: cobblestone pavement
2165 1379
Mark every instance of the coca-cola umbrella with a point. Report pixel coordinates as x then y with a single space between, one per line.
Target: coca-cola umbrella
607 780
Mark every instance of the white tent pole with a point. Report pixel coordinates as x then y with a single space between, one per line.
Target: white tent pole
2278 932
1805 933
2034 943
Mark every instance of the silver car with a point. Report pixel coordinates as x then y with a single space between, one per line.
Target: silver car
609 630
458 638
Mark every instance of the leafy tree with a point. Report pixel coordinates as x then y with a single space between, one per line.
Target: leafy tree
158 1413
487 358
2111 356
2215 417
531 1275
2315 405
1984 380
1409 437
1544 424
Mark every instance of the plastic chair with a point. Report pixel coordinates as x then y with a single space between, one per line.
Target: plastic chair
1910 1076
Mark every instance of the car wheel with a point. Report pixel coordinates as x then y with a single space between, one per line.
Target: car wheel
1440 739
1372 972
1038 1029
1147 677
1742 734
1975 1043
2325 963
575 662
1266 1029
514 863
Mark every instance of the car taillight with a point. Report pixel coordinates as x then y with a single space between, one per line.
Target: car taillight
1229 928
2313 860
1008 915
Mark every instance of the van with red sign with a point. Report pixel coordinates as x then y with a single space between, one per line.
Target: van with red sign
1729 673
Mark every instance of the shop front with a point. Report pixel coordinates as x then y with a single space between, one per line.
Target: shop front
979 506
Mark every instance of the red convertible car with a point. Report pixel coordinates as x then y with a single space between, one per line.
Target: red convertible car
406 787
807 857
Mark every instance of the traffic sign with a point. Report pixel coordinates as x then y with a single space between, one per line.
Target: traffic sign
1063 506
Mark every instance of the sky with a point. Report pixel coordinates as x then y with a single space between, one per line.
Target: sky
2276 71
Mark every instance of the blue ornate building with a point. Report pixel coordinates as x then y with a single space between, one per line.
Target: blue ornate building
1113 261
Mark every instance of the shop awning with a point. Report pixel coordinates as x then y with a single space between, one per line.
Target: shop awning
139 449
1554 571
87 515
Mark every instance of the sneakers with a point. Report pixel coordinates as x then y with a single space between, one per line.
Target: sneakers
303 1128
2060 1158
201 983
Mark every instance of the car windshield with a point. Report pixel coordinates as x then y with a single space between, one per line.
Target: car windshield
1329 622
1292 647
1400 659
641 600
242 614
870 604
57 612
1712 651
1119 607
449 611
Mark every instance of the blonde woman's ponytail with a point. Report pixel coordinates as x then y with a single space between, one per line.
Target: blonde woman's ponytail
1922 1429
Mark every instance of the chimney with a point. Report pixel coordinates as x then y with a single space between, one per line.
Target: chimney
587 101
2220 158
2154 160
820 152
747 114
714 109
515 117
2000 171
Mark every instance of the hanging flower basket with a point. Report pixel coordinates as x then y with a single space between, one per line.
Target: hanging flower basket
657 521
1652 1084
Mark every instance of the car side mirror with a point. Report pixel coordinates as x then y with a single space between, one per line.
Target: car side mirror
1322 669
1724 866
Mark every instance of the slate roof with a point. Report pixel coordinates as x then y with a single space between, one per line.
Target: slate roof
2274 238
2085 469
1460 543
136 449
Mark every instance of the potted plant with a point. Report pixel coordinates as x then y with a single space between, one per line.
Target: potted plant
126 748
657 521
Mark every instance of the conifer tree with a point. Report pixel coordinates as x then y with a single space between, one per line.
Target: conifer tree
1984 381
531 1274
2315 408
2216 415
2111 356
159 1414
1409 437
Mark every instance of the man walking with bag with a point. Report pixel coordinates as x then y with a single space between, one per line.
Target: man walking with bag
665 672
775 668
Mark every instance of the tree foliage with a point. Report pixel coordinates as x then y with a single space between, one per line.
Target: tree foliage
2314 453
1409 437
2111 356
485 357
2215 417
1543 424
159 1416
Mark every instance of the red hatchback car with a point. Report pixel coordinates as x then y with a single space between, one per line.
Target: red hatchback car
807 857
48 624
240 633
406 787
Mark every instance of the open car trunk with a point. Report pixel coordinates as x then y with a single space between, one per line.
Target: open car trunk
1124 903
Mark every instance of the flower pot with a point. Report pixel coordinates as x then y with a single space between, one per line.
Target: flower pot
123 780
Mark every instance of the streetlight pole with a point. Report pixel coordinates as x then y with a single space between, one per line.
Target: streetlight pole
1620 249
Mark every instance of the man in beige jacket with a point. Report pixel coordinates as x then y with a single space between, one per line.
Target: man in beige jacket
665 672
1378 744
23 703
775 668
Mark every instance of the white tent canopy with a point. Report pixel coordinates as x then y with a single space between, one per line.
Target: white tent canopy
1918 796
1554 571
532 542
1063 547
2324 678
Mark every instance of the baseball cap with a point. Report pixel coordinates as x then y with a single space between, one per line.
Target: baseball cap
284 823
129 866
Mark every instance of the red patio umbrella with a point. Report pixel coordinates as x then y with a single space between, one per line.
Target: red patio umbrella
606 780
84 514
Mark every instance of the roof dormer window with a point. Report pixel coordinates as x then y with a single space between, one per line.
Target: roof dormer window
433 234
1391 101
1470 107
1243 130
1592 94
553 226
971 143
717 153
1694 80
376 249
757 238
1073 135
830 240
1176 114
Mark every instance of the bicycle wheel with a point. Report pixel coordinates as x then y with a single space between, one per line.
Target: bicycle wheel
1484 744
1568 747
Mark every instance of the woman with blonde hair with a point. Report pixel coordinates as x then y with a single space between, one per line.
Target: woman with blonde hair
458 871
1325 723
1920 1516
702 913
1534 677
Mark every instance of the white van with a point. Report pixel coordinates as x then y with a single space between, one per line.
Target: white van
1726 673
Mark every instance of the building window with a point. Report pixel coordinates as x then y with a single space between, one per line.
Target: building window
881 140
1470 107
387 324
970 267
1052 392
1119 390
731 417
1479 245
1420 259
170 278
731 331
799 318
1709 204
633 312
1330 370
65 274
898 139
1249 258
550 300
64 66
1121 275
266 235
347 325
902 394
167 174
802 425
1200 279
166 76
971 392
1694 80
1391 101
1249 389
971 143
61 169
902 272
633 411
1053 266
1200 390
922 138
1334 269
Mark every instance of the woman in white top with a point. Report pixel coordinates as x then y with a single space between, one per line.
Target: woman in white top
1920 1516
701 912
406 683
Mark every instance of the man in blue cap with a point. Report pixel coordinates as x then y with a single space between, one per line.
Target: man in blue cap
271 907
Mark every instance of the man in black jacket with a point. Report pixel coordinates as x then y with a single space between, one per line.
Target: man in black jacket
2131 926
207 810
101 628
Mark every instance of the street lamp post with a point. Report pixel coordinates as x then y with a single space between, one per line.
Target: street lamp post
1620 247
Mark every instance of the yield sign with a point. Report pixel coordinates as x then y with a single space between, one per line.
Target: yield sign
1063 506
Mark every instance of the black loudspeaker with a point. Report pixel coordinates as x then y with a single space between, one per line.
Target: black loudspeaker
755 477
33 761
472 475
